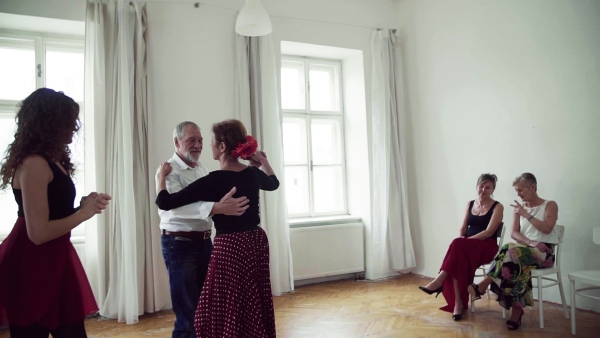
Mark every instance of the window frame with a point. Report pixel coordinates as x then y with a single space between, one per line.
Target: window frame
41 43
308 115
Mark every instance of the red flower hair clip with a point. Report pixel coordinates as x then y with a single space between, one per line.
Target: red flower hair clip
245 150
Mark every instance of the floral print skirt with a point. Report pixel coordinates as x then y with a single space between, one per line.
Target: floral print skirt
511 272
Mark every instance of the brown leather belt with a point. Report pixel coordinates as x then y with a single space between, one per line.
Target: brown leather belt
188 234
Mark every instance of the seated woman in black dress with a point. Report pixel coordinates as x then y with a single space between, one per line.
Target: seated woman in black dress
476 245
236 297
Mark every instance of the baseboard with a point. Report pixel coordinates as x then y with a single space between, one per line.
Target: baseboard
301 282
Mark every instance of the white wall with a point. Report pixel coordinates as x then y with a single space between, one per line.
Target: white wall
503 87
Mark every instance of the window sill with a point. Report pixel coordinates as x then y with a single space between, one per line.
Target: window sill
321 221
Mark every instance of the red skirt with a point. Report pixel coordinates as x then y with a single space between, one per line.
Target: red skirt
236 298
42 284
462 259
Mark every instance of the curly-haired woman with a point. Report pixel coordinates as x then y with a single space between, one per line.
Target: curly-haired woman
43 287
236 298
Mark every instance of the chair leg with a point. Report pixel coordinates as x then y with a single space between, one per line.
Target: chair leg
562 295
540 301
573 326
503 313
472 304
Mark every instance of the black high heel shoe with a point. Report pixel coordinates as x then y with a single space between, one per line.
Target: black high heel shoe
515 325
458 316
429 292
473 290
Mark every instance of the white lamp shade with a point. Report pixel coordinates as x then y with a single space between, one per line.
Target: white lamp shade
253 20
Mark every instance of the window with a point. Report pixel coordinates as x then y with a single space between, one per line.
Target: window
29 61
313 130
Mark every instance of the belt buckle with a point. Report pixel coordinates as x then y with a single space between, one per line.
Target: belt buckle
206 234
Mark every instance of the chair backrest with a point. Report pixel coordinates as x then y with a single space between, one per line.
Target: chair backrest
597 235
560 232
499 230
500 234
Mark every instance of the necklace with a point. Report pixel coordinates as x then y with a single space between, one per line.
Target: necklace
483 208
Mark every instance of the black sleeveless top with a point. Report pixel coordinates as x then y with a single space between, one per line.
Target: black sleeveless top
478 224
61 195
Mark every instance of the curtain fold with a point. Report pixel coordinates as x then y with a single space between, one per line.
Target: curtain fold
257 106
391 241
128 274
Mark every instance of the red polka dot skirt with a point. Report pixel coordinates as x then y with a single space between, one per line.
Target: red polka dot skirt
236 298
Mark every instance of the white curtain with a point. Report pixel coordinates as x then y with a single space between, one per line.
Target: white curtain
257 106
123 257
391 242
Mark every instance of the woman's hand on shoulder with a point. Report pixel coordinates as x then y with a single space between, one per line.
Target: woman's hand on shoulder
163 170
258 159
260 156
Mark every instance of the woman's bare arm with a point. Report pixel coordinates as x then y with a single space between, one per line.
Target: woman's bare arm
32 178
463 228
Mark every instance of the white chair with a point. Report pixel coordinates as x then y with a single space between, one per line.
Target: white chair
590 277
541 275
483 269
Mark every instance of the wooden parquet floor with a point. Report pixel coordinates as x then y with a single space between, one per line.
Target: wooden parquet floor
387 308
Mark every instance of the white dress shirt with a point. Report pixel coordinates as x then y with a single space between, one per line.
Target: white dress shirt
191 217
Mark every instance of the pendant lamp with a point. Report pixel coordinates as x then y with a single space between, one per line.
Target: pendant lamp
253 20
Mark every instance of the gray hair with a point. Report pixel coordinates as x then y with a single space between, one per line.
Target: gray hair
178 132
526 178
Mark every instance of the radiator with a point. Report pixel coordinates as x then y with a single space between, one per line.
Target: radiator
329 250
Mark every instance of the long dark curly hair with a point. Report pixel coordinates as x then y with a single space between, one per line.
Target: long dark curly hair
45 121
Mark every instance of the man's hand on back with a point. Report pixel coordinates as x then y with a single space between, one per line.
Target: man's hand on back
231 206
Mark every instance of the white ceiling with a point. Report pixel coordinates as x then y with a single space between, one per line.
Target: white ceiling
40 24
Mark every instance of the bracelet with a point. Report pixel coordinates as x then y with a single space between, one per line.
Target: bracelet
530 217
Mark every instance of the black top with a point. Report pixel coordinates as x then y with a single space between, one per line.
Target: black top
61 195
214 186
478 224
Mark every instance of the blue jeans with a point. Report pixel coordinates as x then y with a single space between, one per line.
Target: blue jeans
187 263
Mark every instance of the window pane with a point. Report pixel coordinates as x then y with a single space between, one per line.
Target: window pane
8 206
296 190
294 141
77 158
326 141
324 88
292 85
64 72
17 73
328 189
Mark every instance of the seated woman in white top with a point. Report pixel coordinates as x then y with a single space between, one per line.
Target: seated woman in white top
533 230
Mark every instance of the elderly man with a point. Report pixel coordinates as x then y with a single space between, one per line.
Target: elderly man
186 240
